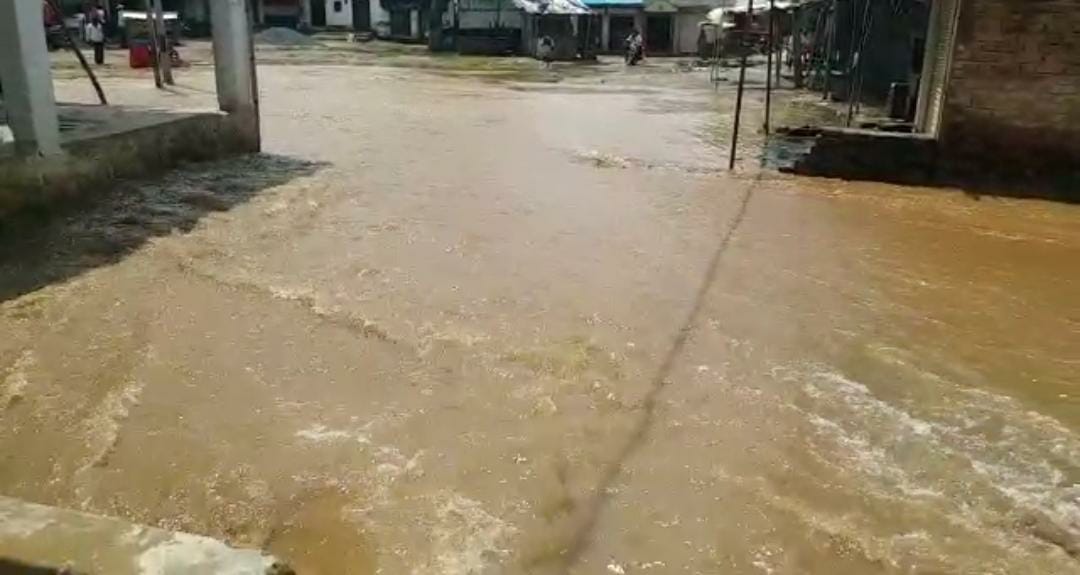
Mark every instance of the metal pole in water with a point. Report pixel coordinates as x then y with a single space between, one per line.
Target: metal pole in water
162 50
796 46
832 14
769 67
154 52
745 47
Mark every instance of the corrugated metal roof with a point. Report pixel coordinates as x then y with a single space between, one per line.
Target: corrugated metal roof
569 7
611 3
716 15
760 5
552 6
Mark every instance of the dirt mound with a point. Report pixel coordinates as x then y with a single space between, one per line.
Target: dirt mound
283 37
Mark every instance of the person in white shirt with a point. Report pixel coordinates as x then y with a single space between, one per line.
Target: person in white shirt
95 35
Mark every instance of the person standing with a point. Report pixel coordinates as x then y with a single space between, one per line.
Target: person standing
545 50
121 26
95 35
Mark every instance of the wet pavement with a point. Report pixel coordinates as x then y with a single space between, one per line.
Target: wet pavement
456 321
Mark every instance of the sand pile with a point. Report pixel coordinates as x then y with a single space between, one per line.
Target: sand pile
283 37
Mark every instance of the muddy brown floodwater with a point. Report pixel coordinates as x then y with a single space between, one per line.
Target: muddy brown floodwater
452 323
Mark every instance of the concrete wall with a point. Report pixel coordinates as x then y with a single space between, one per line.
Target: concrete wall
1012 100
29 101
482 20
40 539
195 10
91 165
339 13
687 28
484 14
380 19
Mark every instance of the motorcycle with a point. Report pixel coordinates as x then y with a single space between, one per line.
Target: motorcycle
635 51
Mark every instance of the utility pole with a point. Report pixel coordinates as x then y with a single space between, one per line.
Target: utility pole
745 46
796 46
69 43
832 23
778 39
769 64
161 43
154 57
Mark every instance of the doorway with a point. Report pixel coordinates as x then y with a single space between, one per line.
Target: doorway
318 13
401 23
361 15
619 30
658 34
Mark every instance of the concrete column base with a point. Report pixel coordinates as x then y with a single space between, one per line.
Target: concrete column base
40 537
234 64
27 77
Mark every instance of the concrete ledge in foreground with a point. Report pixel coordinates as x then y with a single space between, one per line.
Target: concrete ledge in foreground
40 539
104 143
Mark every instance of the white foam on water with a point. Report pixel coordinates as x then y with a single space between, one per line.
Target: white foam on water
872 459
320 433
184 553
102 427
967 439
466 539
16 381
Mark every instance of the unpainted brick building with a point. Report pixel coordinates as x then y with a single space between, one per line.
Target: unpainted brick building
1001 86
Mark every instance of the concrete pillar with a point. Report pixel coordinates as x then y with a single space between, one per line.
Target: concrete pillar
234 64
796 46
605 32
27 78
305 13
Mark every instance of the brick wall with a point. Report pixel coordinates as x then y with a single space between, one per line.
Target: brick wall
1013 99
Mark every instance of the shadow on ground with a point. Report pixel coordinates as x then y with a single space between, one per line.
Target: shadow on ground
9 567
39 249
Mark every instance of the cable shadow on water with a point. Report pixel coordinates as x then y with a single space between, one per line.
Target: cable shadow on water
38 249
578 535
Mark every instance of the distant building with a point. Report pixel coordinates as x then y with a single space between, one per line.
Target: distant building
686 23
487 26
564 21
669 27
402 19
516 26
617 18
286 13
399 19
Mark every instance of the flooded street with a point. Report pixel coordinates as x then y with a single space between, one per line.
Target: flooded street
465 321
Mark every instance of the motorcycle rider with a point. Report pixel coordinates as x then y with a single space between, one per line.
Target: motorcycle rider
635 47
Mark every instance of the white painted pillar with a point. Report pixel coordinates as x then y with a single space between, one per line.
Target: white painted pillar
234 63
27 78
305 13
